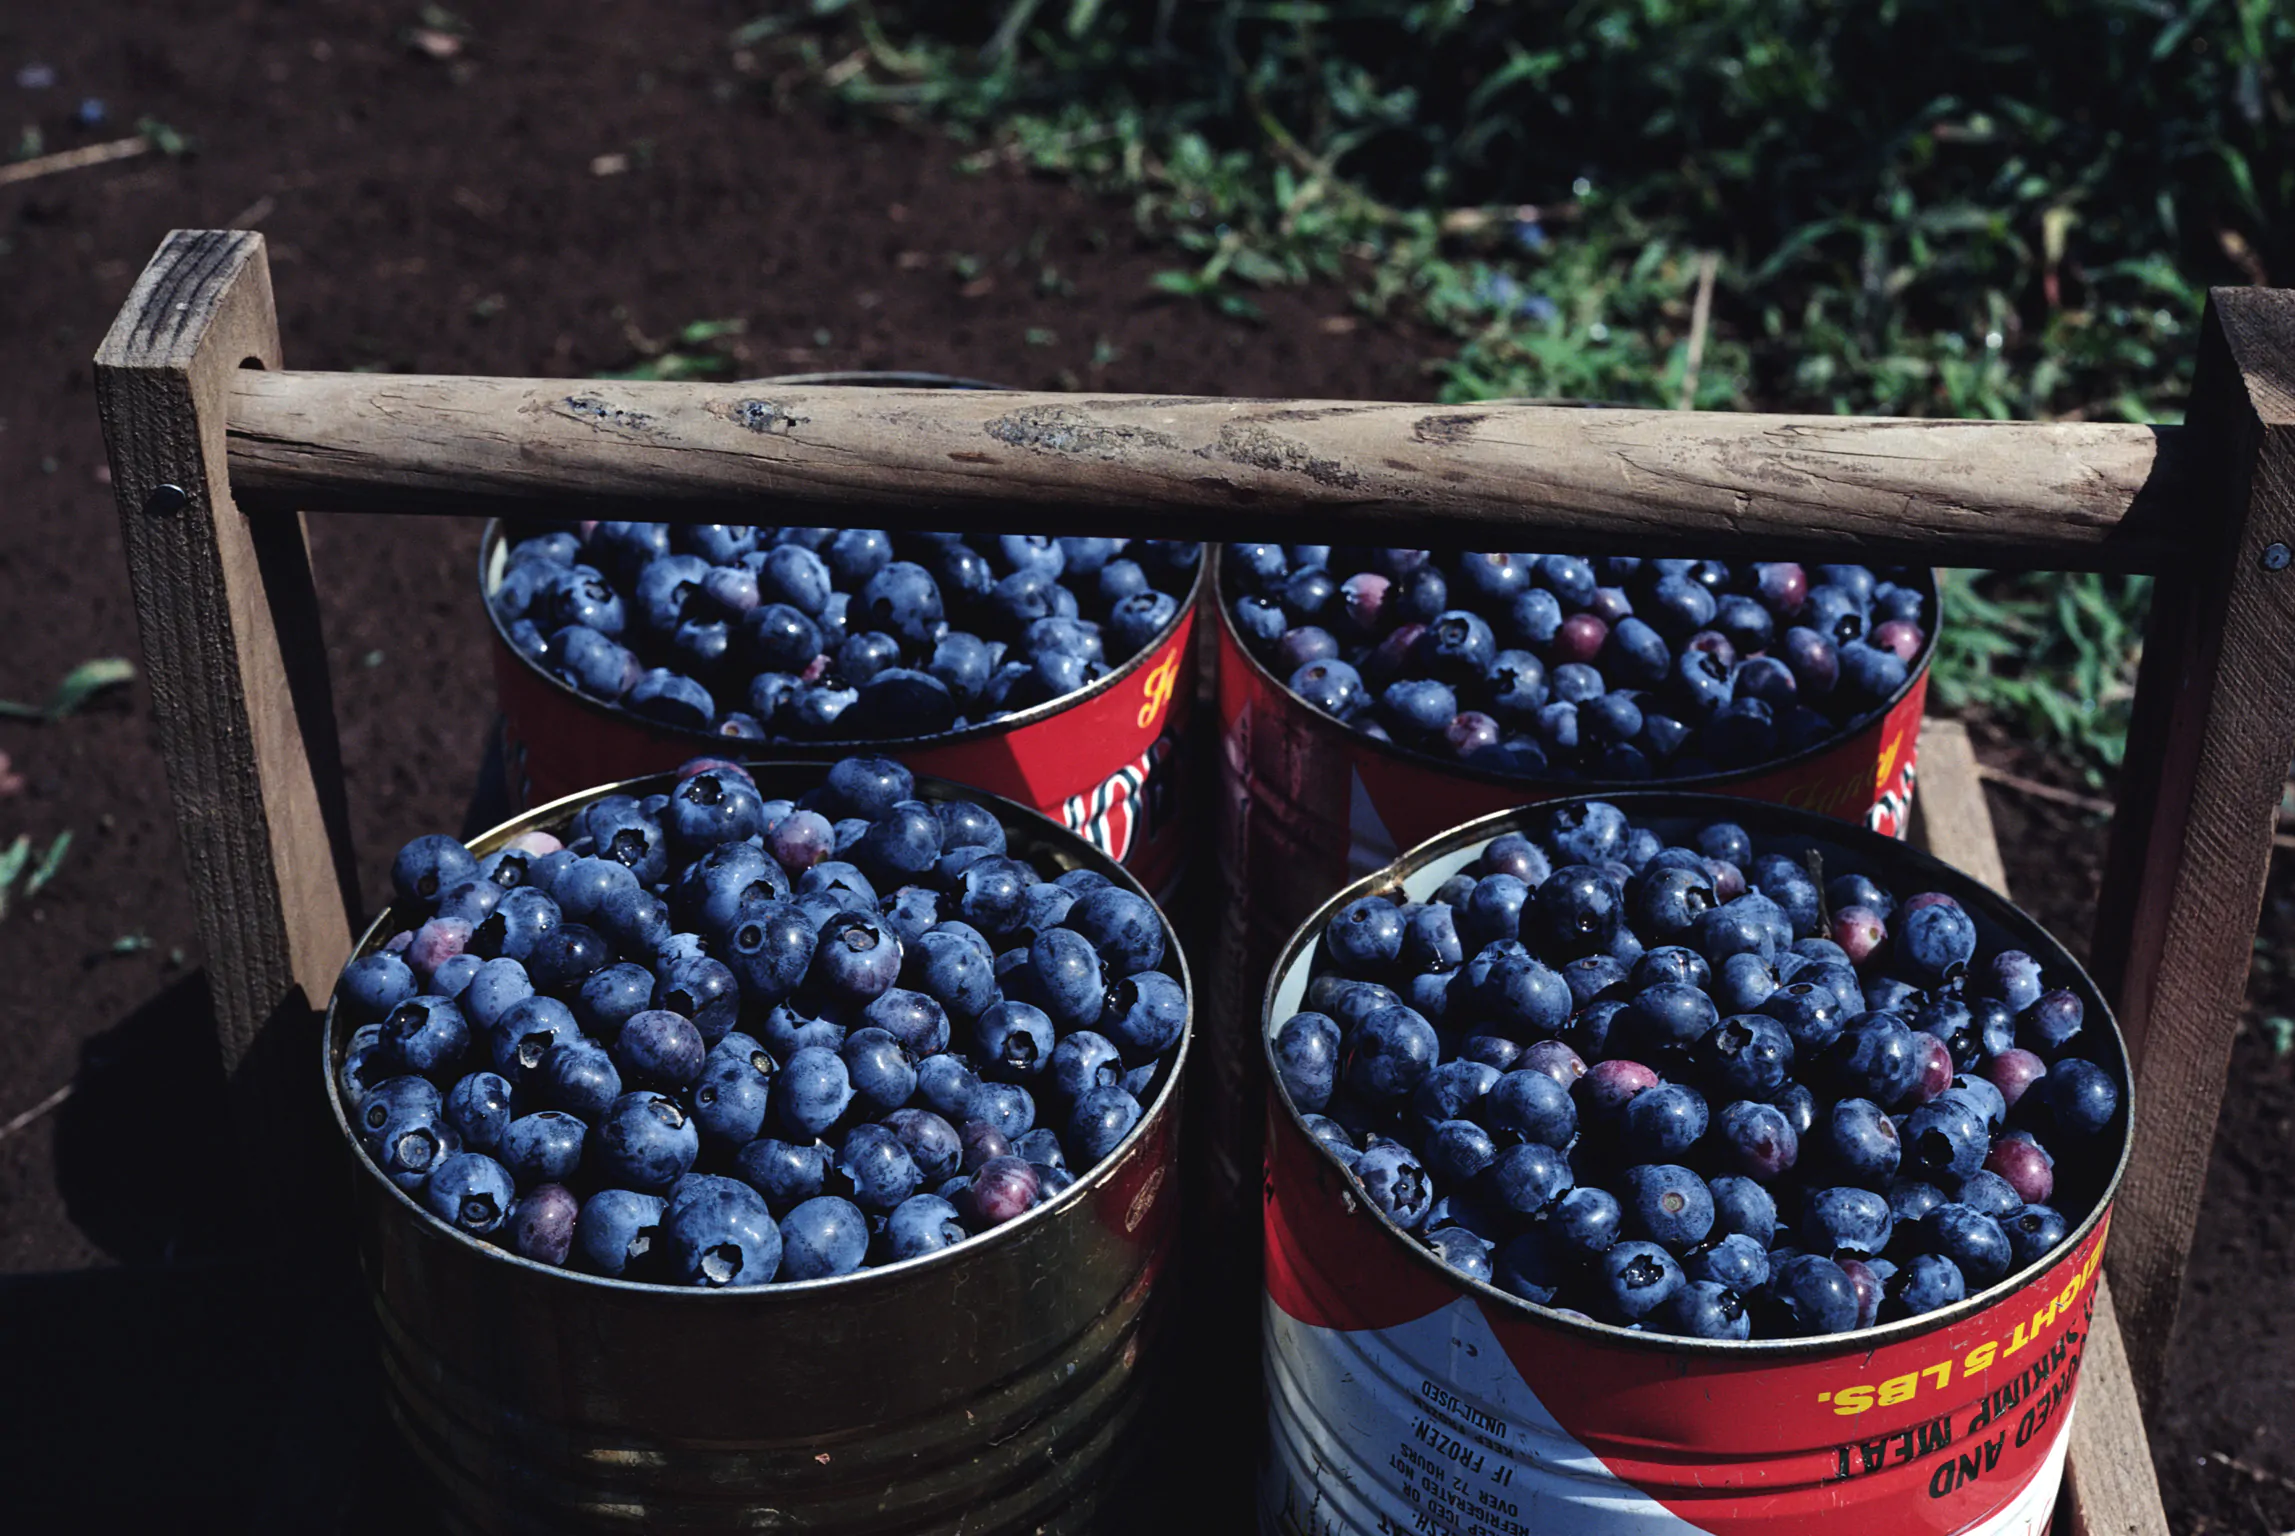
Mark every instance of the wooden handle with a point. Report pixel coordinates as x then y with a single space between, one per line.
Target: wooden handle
2067 495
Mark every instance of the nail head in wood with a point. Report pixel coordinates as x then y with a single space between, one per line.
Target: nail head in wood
2275 557
166 501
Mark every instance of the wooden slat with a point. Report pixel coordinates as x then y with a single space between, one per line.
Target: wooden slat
1949 815
2208 749
232 647
2067 494
2112 1490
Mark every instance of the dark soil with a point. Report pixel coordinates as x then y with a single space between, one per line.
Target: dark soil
443 216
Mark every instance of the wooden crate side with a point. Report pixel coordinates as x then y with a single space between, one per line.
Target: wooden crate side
1949 815
2015 493
2199 797
231 642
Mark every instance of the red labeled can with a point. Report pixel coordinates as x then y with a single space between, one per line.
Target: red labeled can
1105 761
1307 803
1404 1396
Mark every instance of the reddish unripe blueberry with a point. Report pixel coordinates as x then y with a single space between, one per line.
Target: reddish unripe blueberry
1913 904
1783 586
1860 933
983 1144
539 844
435 943
1868 1288
1728 879
2013 1072
1556 1060
1579 639
399 943
694 765
2020 1160
541 1225
1935 1073
801 840
1899 636
817 668
1365 597
1387 659
1715 644
1004 1187
1609 1085
1470 731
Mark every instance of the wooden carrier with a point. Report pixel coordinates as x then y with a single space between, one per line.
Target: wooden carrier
217 453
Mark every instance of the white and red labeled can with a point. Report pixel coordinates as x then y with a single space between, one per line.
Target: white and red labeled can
1307 803
1404 1397
1105 761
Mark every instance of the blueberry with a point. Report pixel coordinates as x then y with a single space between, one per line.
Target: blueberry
1812 1295
1944 1140
542 1148
659 1049
1742 1207
372 985
824 1237
785 1173
645 1142
1462 1250
1973 1241
1396 1182
1146 1013
519 922
811 1092
1937 941
1587 1220
1875 1058
947 1084
1664 1122
876 1163
470 1192
2050 1025
1102 1118
1332 1137
1668 1204
541 1224
1747 1055
856 957
1756 1139
1577 911
1845 1220
426 1035
1002 1189
2081 1096
1705 1309
2035 1232
1734 1260
880 1069
1637 1278
1306 1059
1928 1282
1006 1107
920 1225
1860 1143
1457 1150
1388 1053
1526 1178
478 1107
735 1091
429 866
576 1075
404 1128
524 1033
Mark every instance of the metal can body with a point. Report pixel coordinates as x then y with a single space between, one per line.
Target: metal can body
1403 1397
1307 804
999 1385
1105 761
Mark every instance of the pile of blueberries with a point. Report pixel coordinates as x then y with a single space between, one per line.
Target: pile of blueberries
1688 1089
714 1039
1557 667
822 634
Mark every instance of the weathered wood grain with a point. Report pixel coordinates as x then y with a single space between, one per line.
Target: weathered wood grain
2070 494
2208 750
2111 1487
1949 815
231 641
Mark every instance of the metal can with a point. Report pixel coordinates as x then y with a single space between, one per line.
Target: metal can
1307 804
1403 1396
1104 761
1000 1385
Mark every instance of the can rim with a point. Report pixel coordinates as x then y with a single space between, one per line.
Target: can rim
1915 671
1048 835
493 555
1675 804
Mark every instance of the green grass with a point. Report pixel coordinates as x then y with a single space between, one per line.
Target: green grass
1946 208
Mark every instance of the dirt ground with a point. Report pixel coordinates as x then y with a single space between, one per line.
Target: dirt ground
447 215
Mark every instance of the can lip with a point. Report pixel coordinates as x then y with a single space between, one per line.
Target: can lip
1047 835
493 552
1756 817
1561 788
